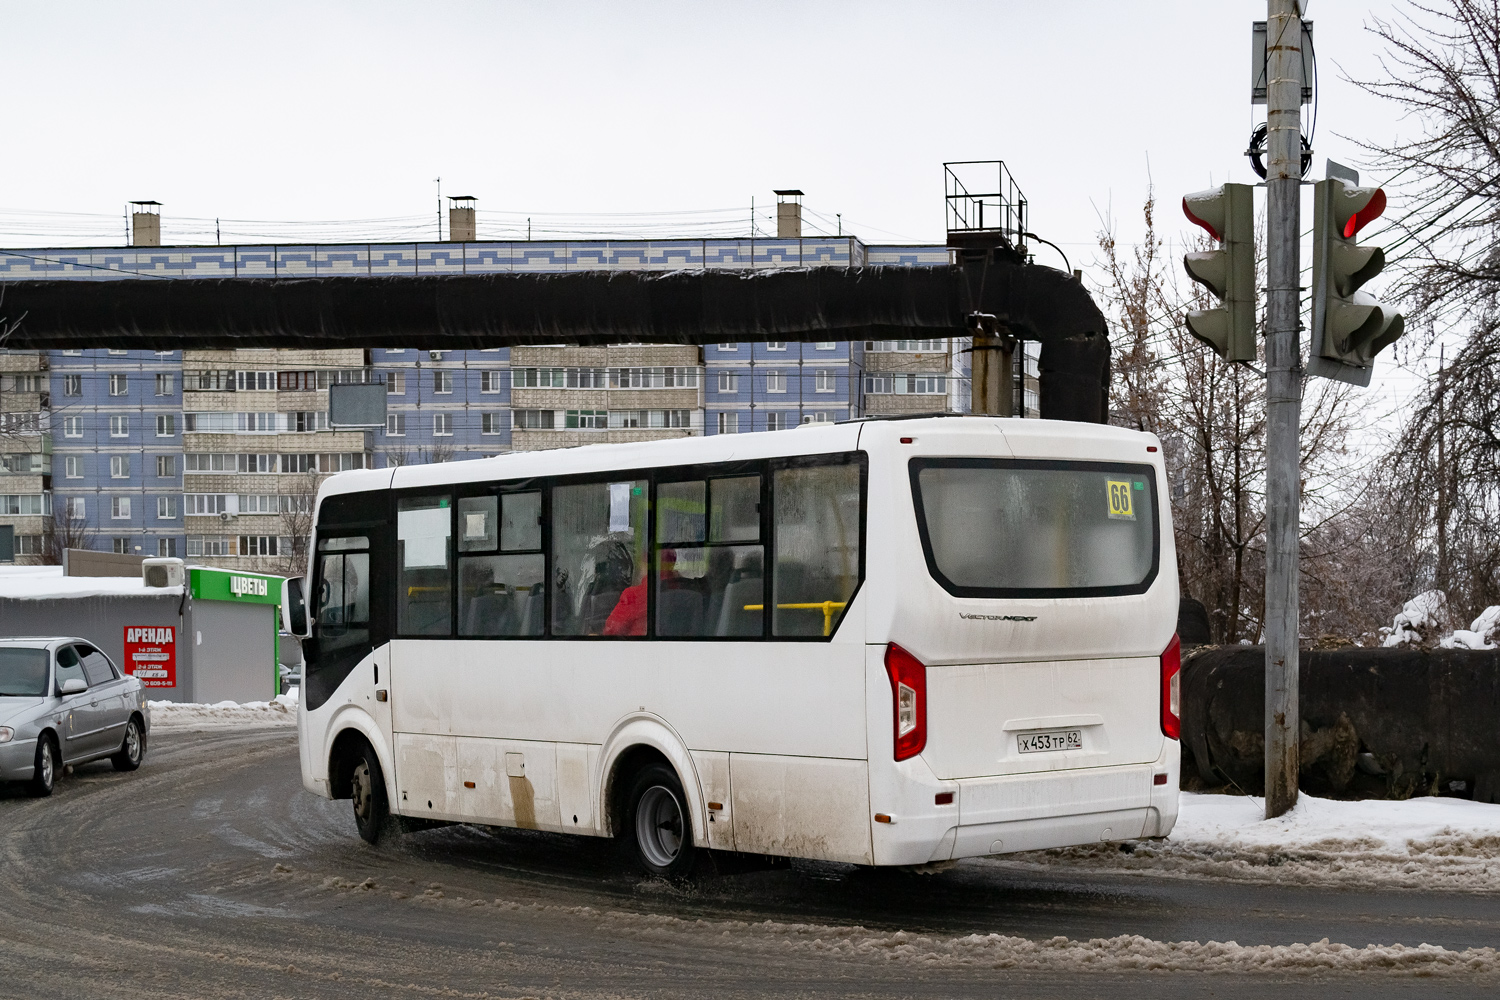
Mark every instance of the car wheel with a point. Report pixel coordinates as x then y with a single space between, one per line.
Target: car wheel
368 794
44 776
658 825
132 748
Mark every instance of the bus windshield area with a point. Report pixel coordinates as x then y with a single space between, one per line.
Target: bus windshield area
1012 528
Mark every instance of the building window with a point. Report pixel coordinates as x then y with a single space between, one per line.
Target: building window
729 382
164 384
166 508
395 383
73 467
258 545
119 427
254 381
166 425
166 548
926 385
73 427
119 385
72 385
729 423
117 354
442 425
534 420
442 382
207 545
29 545
775 382
490 381
395 350
77 509
728 348
72 354
490 423
119 508
823 345
395 425
166 466
586 419
821 417
779 421
121 545
21 504
825 381
775 345
119 466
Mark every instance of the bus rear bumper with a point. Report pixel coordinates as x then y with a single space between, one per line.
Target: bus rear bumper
1038 811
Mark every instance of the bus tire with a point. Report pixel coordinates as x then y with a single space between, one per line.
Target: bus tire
367 792
658 827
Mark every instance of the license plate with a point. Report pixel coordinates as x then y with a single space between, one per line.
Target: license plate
1058 739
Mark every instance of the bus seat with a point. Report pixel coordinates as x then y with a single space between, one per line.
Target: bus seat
679 612
489 614
531 616
733 618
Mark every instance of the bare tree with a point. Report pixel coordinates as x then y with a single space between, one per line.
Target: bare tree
1441 487
66 532
298 501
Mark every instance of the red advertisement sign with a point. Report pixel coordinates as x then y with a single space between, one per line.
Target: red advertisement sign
151 654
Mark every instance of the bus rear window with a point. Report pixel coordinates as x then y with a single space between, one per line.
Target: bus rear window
1011 528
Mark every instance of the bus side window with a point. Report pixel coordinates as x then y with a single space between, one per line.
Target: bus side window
503 595
705 584
599 559
424 554
816 511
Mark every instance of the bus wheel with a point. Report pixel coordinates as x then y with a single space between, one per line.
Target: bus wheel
658 823
368 794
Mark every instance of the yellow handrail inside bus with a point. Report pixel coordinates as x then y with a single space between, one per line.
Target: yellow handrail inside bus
827 607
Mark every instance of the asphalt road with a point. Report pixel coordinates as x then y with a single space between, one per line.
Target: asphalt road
210 873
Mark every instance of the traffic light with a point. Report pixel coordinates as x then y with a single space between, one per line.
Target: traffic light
1349 327
1228 213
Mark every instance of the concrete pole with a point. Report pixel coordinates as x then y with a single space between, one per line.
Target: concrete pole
1283 398
992 382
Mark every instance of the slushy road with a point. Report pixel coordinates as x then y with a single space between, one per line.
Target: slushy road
211 873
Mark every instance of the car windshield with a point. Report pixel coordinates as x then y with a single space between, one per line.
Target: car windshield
23 672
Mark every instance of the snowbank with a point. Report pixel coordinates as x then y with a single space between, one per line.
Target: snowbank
279 711
37 583
1422 843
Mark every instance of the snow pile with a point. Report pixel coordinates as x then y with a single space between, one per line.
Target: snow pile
1484 633
279 711
1423 843
39 583
1418 618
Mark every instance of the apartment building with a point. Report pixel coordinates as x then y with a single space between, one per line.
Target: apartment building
215 456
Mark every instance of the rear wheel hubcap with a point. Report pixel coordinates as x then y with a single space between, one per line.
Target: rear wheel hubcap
659 826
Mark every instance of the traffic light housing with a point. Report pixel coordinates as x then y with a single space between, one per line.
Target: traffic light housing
1349 327
1228 213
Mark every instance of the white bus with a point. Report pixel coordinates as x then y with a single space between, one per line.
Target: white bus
886 642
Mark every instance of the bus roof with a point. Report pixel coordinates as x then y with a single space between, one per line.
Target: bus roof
808 439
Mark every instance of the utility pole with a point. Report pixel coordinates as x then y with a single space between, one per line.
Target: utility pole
1283 398
1442 484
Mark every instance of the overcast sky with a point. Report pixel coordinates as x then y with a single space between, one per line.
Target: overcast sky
333 111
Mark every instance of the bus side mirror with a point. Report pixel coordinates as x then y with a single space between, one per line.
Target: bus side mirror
294 608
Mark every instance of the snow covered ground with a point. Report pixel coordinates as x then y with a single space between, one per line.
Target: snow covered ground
1422 843
279 711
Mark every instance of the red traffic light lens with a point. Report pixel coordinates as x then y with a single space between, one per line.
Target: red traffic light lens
1371 211
1197 221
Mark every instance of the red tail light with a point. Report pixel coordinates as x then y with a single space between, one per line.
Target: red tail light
1171 690
908 700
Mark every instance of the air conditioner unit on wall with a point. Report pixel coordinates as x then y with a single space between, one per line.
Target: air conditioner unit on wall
163 572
